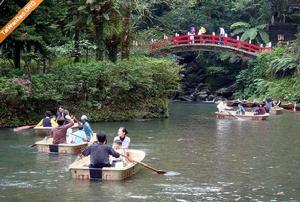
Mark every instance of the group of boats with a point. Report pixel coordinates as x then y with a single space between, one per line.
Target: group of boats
287 105
230 114
80 168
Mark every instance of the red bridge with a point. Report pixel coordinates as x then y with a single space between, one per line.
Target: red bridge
206 42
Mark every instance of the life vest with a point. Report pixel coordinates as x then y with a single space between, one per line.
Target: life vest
47 122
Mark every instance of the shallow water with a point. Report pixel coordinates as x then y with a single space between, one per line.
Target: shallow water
207 160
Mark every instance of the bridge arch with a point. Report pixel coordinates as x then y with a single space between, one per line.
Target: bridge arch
206 42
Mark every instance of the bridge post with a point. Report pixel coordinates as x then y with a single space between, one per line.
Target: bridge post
213 38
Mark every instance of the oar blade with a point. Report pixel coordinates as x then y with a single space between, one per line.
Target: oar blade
161 172
18 129
33 145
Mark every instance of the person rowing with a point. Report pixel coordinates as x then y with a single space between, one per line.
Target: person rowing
222 106
48 121
241 110
59 134
99 152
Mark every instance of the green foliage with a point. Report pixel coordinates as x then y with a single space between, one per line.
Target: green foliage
248 32
137 85
271 74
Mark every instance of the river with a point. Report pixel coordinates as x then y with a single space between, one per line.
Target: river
210 160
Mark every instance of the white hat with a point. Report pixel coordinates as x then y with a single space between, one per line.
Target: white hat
84 117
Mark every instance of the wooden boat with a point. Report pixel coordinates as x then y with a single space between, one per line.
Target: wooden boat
248 104
297 107
247 116
46 145
288 105
41 130
80 168
232 103
276 110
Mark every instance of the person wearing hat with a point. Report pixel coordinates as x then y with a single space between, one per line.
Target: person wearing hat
99 152
78 137
86 127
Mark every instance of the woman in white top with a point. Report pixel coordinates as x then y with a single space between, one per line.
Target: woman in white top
122 135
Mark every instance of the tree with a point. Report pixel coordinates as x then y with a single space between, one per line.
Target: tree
257 33
100 16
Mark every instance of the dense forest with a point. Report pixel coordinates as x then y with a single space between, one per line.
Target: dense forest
79 53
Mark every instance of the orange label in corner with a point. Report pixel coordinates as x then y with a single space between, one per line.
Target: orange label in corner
18 19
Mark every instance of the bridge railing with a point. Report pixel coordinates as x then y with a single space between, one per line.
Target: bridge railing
208 39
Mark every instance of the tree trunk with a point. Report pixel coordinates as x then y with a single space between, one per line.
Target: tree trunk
29 68
112 44
17 54
87 55
77 38
44 65
99 30
76 45
126 31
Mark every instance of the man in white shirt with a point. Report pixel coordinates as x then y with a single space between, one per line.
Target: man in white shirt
222 106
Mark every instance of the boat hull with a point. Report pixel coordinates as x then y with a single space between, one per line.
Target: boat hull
248 116
47 147
80 169
40 130
248 104
288 106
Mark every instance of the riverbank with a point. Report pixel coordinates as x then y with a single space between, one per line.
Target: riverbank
137 88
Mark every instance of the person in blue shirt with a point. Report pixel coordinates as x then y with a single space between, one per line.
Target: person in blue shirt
268 104
77 137
86 127
241 110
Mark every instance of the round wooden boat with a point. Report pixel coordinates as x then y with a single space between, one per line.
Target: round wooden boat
41 130
247 116
276 110
231 103
288 106
46 145
80 168
248 104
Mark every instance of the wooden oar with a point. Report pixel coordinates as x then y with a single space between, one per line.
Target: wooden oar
232 115
33 145
79 137
161 172
18 129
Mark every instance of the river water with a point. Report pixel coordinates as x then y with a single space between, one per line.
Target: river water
209 160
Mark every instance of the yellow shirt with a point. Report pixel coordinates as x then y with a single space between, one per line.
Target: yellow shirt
53 123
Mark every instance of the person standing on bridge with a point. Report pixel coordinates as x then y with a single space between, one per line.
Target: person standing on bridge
202 30
222 34
193 30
